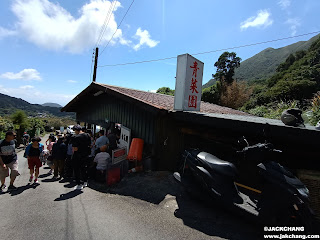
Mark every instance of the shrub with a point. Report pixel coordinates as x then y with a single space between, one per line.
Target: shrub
235 94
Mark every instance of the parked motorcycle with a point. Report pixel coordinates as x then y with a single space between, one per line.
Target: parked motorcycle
254 183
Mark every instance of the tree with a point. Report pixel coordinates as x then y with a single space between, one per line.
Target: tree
19 118
212 94
166 91
226 65
35 124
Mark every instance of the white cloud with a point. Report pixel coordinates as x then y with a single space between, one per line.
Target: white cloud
3 90
72 81
145 39
263 19
284 3
6 32
36 96
25 74
26 87
294 24
153 91
50 26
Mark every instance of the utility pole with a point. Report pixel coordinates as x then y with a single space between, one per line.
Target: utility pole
95 65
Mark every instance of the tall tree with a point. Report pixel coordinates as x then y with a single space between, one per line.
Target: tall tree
226 65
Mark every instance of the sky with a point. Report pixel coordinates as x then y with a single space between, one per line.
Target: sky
47 45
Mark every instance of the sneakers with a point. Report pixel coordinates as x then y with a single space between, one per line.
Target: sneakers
78 187
3 187
36 181
30 179
85 184
12 188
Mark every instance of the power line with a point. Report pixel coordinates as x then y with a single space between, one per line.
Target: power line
117 27
105 24
218 50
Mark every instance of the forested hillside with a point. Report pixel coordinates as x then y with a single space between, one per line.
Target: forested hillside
297 78
264 64
9 105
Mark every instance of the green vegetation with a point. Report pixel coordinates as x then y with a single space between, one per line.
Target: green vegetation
20 123
294 83
166 90
9 105
263 65
271 85
226 65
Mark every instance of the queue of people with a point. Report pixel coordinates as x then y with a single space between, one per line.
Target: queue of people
79 156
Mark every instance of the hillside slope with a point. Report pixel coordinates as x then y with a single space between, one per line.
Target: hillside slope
264 64
8 105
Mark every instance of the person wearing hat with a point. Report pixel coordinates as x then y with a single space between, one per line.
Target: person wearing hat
59 155
33 152
81 150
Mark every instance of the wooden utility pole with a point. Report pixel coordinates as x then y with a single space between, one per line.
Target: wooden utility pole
95 65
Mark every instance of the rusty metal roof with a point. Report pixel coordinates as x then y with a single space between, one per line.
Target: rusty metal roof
162 101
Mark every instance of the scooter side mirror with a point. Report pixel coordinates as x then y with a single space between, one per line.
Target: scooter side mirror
243 142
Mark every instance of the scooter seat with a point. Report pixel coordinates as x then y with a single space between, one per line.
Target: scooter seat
212 162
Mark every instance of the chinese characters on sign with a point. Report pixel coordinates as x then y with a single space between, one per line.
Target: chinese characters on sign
193 87
188 83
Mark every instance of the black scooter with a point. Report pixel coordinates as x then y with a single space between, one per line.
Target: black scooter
255 184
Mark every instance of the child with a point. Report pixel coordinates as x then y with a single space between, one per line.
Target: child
33 152
103 160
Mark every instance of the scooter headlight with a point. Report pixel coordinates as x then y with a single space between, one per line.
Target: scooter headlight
304 192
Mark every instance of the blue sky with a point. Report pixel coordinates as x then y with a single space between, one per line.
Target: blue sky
46 46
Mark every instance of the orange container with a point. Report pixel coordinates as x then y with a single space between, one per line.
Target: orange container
136 148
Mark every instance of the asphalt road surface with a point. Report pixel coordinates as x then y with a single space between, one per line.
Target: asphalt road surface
142 206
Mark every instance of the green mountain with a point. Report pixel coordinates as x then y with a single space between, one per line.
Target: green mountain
297 78
9 105
264 64
51 105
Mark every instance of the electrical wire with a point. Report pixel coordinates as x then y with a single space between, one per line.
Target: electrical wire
218 50
117 28
106 22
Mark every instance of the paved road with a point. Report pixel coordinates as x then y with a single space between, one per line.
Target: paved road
53 210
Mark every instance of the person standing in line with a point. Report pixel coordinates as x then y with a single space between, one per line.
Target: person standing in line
101 141
81 149
33 152
68 164
8 159
49 142
113 137
91 167
59 154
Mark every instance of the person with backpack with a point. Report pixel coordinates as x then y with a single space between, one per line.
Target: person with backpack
8 159
32 153
59 154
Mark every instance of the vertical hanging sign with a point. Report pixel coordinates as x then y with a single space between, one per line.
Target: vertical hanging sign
187 96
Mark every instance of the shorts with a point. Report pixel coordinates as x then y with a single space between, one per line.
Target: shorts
34 162
14 170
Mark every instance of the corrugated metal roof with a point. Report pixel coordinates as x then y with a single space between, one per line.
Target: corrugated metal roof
166 102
